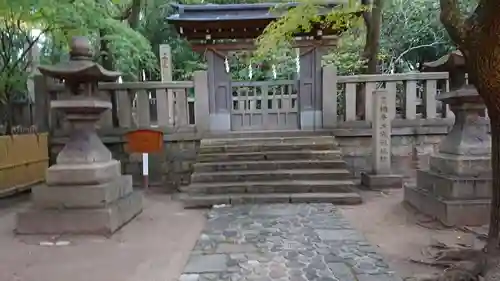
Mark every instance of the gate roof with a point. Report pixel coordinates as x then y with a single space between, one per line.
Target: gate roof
236 21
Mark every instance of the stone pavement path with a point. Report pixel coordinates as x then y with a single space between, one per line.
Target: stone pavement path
292 242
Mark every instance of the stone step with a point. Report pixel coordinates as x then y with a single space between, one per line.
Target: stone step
267 140
270 155
269 165
295 174
253 147
283 186
207 201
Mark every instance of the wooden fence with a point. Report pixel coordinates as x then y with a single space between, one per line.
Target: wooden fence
23 161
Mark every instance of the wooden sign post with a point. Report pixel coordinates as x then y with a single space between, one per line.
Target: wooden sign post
145 141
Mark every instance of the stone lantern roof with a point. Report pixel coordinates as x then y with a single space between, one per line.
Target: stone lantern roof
447 62
80 67
454 64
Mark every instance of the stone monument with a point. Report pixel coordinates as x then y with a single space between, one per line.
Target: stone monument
381 175
85 192
457 186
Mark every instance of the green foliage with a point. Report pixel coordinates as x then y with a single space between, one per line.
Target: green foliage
59 20
412 33
347 56
185 61
157 31
56 21
301 18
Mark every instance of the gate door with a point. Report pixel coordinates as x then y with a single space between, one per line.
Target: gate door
264 105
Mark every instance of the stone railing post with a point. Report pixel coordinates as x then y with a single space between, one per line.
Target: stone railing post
201 103
124 109
329 93
381 176
142 109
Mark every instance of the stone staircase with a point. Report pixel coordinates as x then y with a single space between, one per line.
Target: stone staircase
298 167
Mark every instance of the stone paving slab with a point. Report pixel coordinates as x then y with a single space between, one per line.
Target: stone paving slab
283 242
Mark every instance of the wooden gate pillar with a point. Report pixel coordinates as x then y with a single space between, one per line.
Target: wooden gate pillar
219 91
310 87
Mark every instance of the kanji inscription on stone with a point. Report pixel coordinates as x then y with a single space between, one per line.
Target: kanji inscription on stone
166 76
166 62
381 137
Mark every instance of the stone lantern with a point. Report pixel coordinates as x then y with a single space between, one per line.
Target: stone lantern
85 192
457 186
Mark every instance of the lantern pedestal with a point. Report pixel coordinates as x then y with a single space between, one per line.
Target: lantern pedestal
456 189
85 191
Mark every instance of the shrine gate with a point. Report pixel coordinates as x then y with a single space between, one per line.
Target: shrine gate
217 30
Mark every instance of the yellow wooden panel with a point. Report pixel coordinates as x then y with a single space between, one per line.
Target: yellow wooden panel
23 160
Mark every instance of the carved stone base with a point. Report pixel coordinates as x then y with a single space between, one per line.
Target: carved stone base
377 182
99 221
462 165
83 174
472 212
81 196
452 187
456 190
81 199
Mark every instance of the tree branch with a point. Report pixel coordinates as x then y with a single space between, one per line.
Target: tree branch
417 47
10 67
396 60
453 21
125 14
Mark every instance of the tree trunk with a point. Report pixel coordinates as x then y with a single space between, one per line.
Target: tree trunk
478 37
373 44
105 53
9 120
494 230
367 18
482 52
373 23
135 13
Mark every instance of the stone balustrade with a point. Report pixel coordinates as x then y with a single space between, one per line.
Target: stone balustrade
143 105
412 96
419 123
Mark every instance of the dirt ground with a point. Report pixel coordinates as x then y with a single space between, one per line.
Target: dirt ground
156 245
400 232
153 247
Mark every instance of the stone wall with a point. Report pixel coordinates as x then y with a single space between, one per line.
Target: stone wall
412 145
168 169
408 153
